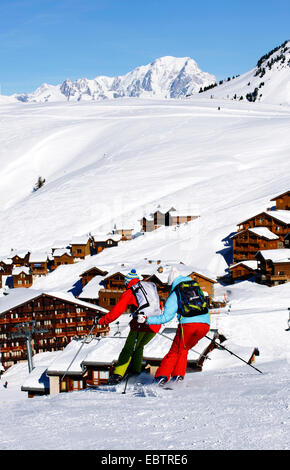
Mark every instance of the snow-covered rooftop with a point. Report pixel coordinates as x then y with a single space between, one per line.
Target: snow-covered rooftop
264 232
281 255
22 295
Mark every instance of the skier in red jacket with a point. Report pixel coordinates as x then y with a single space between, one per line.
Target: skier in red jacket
139 336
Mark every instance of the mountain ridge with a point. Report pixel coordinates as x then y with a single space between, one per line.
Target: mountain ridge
165 77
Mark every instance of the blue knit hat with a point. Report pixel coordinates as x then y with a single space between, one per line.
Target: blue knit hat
131 275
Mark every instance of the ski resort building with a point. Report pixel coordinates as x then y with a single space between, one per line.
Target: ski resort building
38 263
273 266
278 222
248 242
125 233
61 315
282 201
170 217
106 289
243 270
102 241
20 259
80 247
61 257
91 273
22 277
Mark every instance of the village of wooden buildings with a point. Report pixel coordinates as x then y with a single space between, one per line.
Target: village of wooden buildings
261 246
60 317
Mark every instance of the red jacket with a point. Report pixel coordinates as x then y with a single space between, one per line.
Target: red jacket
128 299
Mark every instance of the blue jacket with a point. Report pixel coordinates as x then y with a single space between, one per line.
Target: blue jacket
171 308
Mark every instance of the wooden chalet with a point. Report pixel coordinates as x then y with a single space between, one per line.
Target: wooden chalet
180 217
38 263
81 247
101 241
88 275
282 201
62 257
168 218
248 242
278 222
147 224
7 267
20 259
273 266
206 283
114 286
22 277
125 233
243 270
62 315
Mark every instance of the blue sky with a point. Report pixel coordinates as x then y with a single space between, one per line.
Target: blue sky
51 40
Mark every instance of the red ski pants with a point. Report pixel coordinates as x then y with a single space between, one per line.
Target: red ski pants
175 361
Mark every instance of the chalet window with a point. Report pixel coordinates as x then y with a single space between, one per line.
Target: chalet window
112 301
281 273
104 374
79 250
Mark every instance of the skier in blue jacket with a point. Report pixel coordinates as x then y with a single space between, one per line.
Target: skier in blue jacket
190 330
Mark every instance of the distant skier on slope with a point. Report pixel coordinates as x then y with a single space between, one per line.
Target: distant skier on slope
187 301
140 335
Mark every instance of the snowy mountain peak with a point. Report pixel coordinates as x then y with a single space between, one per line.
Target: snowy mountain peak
165 77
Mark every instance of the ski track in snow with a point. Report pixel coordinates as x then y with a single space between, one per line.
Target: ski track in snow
233 409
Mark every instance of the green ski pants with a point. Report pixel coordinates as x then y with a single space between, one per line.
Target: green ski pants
128 356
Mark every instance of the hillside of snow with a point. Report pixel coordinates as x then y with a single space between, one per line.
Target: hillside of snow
111 163
268 82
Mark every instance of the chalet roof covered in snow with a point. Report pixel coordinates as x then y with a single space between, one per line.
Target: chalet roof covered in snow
80 240
252 264
262 232
38 257
281 255
20 269
65 363
280 195
21 295
92 288
103 237
61 252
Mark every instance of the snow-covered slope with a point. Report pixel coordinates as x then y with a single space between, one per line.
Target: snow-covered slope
108 163
166 77
268 82
227 406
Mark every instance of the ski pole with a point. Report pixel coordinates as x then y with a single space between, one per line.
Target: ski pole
79 350
233 354
191 349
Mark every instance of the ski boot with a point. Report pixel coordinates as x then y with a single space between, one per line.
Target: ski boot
161 380
177 378
115 379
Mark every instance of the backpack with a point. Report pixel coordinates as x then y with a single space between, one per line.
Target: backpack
191 299
147 299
